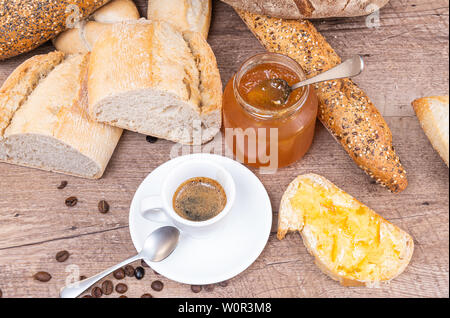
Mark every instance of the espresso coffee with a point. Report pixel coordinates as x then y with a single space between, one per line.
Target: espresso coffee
199 199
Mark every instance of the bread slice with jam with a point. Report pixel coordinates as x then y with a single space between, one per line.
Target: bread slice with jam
350 242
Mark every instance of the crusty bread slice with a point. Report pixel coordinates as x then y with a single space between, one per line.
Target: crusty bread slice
44 120
350 242
187 15
151 78
433 116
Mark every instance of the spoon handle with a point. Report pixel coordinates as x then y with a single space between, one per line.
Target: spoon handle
75 289
351 67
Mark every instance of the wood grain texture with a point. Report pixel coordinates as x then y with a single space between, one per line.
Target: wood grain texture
407 57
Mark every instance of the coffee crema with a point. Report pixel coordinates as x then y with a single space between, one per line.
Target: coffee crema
199 199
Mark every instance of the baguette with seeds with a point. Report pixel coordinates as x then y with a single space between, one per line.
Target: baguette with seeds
344 109
26 24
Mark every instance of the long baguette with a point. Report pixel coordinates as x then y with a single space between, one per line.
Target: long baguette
44 122
344 109
310 9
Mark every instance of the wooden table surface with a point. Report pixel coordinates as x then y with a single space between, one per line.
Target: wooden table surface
407 58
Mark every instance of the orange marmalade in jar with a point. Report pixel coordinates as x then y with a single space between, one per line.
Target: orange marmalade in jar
260 132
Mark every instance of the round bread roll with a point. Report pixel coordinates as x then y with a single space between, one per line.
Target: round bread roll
116 11
311 9
82 37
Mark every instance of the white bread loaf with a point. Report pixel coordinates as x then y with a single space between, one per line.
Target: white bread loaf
193 15
153 79
350 242
432 113
81 38
310 9
44 122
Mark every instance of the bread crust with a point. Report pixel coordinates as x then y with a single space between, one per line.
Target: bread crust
187 15
81 38
22 81
63 118
311 9
344 109
26 24
134 56
433 114
291 220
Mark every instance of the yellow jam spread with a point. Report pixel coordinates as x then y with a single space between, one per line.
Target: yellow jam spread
352 239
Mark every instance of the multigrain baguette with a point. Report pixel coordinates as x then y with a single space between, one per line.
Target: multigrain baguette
26 24
82 37
433 114
350 242
311 9
344 109
187 15
44 122
151 78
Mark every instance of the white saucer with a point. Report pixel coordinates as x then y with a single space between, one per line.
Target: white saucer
226 253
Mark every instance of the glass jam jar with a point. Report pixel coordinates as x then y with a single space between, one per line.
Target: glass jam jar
264 136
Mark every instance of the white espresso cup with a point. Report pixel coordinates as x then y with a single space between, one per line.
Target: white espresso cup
159 208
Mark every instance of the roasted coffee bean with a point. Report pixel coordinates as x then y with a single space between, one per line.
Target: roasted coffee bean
96 292
62 185
119 274
129 270
121 288
151 139
71 201
103 206
123 296
196 288
223 284
62 256
143 263
107 287
42 276
209 288
139 272
157 285
147 296
87 296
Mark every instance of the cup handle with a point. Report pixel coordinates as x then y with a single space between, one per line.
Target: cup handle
152 208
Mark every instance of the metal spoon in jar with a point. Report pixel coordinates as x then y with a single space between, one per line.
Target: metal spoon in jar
278 90
158 246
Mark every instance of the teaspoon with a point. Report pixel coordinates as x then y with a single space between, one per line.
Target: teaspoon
158 246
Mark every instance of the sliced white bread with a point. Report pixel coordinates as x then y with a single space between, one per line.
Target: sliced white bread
350 242
432 113
193 15
151 78
44 121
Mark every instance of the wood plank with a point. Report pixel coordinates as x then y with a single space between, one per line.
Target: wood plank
407 57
